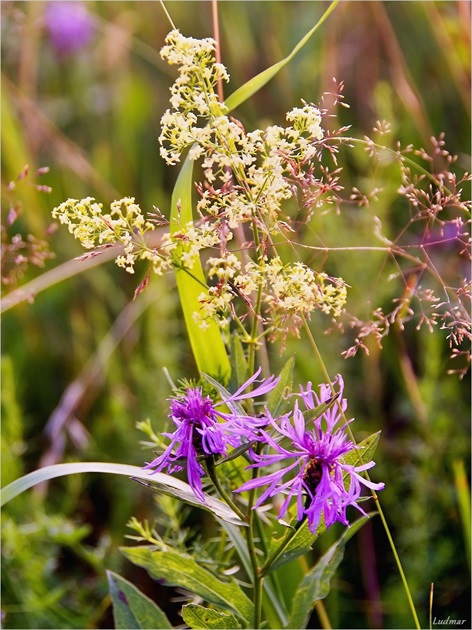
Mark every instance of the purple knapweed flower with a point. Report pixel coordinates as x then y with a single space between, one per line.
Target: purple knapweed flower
200 433
70 26
316 457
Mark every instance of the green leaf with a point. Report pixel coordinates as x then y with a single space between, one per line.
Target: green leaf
236 452
283 388
207 345
196 616
257 82
133 609
225 394
316 583
159 481
238 361
178 569
364 451
299 543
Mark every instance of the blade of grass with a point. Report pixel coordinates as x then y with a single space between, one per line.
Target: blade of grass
207 345
163 483
256 83
463 499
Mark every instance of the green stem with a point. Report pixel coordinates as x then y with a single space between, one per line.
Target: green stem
210 468
323 615
249 518
257 575
374 495
282 547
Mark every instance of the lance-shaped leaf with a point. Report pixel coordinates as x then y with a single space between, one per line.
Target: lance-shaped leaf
133 609
196 616
207 345
278 395
181 570
159 481
297 542
257 82
316 583
364 451
239 364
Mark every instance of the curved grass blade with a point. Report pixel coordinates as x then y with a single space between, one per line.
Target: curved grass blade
207 345
162 482
257 82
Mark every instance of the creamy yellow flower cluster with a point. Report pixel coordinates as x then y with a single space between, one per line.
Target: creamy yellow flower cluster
124 225
264 167
289 291
193 94
249 177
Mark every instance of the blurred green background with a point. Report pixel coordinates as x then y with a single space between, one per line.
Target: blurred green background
82 363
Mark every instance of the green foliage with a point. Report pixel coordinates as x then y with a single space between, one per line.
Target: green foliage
34 554
196 616
12 429
208 347
93 118
131 608
181 570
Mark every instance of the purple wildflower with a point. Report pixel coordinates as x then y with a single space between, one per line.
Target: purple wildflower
70 26
316 456
200 433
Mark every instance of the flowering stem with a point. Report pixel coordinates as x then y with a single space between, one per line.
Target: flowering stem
257 310
257 574
210 468
167 14
374 495
282 547
216 37
253 339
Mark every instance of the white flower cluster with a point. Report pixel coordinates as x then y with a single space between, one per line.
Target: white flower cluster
124 224
288 291
293 288
194 238
193 94
248 179
261 164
